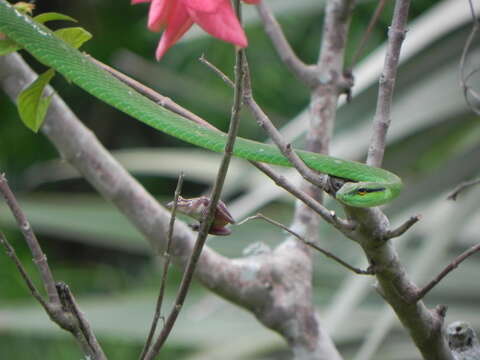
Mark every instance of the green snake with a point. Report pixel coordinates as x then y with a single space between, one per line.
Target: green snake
365 186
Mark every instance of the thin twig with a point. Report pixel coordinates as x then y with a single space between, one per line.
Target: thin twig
454 264
366 35
466 49
31 286
465 185
264 121
81 328
329 216
153 95
166 264
39 257
217 71
381 122
64 313
390 234
286 148
210 213
305 73
309 243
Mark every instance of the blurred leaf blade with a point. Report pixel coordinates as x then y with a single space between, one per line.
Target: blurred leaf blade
32 104
75 36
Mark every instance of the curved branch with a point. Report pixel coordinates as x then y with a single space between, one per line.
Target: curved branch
449 268
306 73
381 122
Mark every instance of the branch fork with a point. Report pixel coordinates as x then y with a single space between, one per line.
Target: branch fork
61 305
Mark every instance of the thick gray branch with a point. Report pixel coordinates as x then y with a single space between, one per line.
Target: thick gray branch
395 286
424 325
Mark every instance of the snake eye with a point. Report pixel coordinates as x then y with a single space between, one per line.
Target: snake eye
362 192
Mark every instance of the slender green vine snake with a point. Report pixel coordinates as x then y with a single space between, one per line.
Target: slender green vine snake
366 186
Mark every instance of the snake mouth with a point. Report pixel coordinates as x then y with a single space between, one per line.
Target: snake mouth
335 183
367 190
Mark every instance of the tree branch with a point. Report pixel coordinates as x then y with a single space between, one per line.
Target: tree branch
329 216
373 21
381 122
450 267
463 186
403 228
39 258
305 73
166 265
80 327
464 78
161 100
30 284
308 243
425 326
61 308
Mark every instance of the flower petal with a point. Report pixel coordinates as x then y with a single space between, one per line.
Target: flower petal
160 11
204 5
222 24
179 21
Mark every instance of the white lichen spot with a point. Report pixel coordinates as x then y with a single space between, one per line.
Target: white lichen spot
42 32
249 273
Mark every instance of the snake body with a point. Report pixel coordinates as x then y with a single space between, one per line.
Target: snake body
367 186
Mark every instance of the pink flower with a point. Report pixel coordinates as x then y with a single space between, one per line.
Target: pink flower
216 17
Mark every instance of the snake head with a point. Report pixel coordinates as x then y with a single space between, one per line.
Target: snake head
364 194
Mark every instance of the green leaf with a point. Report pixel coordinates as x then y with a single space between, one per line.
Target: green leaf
32 105
52 16
74 36
8 46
